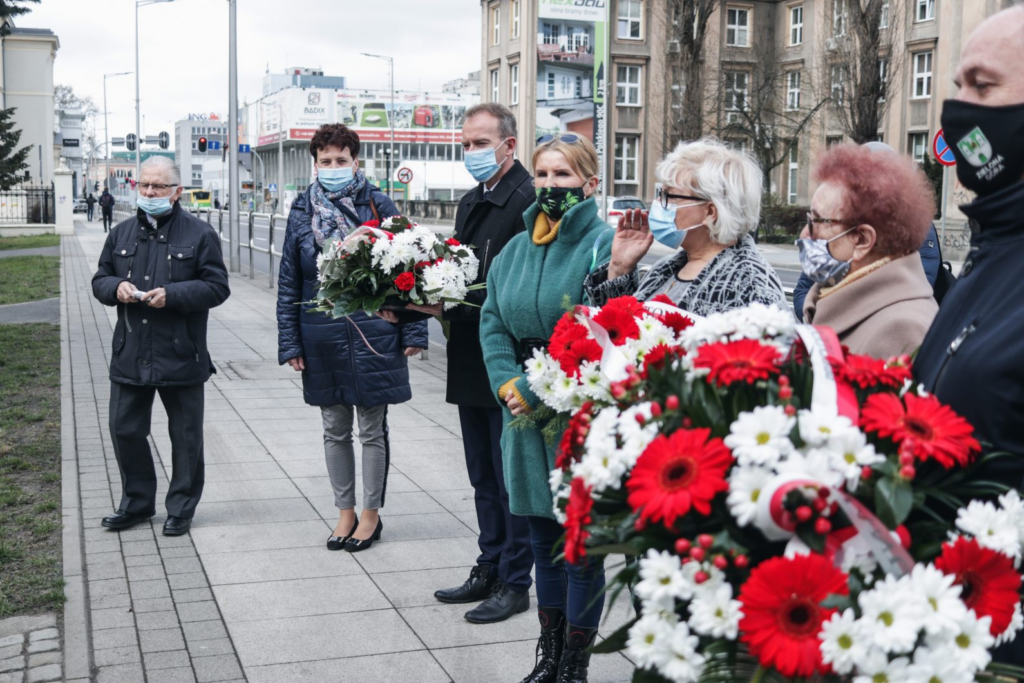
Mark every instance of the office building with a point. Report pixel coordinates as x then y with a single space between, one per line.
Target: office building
300 77
186 145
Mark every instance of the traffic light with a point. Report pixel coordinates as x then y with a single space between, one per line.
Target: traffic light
202 145
96 186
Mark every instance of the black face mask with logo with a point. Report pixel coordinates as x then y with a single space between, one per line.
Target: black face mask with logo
988 143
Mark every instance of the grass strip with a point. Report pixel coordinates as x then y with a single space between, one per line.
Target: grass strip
29 278
29 242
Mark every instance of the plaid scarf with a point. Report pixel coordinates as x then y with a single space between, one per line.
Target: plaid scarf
328 220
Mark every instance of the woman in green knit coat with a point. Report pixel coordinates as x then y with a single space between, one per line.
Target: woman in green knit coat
529 284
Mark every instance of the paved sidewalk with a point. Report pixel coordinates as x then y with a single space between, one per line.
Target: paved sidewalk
252 594
42 311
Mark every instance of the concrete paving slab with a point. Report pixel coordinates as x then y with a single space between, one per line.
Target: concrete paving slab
389 668
271 536
42 311
299 598
277 565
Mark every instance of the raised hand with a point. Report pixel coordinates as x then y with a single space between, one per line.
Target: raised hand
633 239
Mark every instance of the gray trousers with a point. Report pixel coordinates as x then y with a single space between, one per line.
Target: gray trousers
341 455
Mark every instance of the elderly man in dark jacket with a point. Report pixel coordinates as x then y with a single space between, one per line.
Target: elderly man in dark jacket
164 271
357 364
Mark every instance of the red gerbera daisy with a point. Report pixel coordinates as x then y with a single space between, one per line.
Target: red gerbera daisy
659 357
626 303
676 473
620 323
867 372
579 351
663 299
567 330
745 360
782 612
677 322
990 584
932 430
577 514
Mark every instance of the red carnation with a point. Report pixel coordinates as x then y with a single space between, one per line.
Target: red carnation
405 282
991 585
452 242
932 430
676 473
570 448
577 514
745 360
620 323
423 264
867 372
370 224
782 612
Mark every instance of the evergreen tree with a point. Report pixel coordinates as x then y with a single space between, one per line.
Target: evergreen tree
12 159
10 9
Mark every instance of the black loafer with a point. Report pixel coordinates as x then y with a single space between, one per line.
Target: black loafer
124 520
503 603
177 526
338 542
476 588
355 545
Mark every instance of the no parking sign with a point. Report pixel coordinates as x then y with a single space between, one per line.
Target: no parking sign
941 150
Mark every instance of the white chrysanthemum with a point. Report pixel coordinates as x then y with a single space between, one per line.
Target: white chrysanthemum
761 437
745 484
470 266
1016 624
993 527
559 491
936 665
814 465
715 577
941 597
537 365
968 643
816 427
680 661
716 614
842 643
769 321
593 382
849 452
636 438
601 468
661 580
875 667
892 615
646 641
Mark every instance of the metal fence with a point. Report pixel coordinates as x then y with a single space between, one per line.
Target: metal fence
27 205
249 224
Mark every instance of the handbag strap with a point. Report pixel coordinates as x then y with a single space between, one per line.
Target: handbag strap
373 208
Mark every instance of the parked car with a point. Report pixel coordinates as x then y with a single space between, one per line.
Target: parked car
617 207
80 206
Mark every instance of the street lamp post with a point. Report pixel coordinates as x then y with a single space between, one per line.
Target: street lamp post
391 115
138 111
106 128
234 195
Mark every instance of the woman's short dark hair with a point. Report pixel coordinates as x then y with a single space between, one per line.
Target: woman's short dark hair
334 135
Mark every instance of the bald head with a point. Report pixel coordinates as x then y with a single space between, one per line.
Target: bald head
989 72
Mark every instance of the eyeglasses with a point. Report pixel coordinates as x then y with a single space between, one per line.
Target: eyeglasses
569 138
811 221
159 187
661 195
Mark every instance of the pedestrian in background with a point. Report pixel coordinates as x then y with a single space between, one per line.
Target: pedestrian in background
530 285
90 203
107 209
352 366
164 271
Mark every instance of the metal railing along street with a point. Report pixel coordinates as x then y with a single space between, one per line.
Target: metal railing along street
27 205
217 219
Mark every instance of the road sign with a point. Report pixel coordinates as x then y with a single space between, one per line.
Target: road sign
272 187
244 149
214 144
941 151
117 142
164 140
152 139
404 175
130 142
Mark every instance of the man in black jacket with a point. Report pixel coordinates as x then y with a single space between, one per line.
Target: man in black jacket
487 218
107 209
164 271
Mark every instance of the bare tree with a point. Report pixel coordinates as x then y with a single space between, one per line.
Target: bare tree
688 28
65 98
864 55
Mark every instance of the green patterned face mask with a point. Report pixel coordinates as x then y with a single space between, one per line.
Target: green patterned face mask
556 201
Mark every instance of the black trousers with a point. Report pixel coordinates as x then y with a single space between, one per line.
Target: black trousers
504 538
108 218
131 411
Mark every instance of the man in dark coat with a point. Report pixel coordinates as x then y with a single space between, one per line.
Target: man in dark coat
487 218
107 209
164 271
90 205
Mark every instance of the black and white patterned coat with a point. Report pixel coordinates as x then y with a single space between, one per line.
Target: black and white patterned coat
736 277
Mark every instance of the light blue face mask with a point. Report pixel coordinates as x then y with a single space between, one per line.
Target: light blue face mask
154 206
334 179
663 224
482 164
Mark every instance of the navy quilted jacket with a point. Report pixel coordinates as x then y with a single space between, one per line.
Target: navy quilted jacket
340 367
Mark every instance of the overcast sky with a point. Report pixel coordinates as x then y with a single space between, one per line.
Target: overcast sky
184 49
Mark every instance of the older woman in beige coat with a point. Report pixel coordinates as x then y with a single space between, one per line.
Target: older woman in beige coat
868 217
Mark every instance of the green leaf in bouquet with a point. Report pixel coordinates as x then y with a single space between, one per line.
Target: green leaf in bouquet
893 501
347 307
616 641
839 602
373 304
648 676
815 541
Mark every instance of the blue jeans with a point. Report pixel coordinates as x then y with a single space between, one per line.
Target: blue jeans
576 589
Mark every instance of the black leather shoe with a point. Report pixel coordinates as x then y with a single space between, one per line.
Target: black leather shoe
503 603
355 545
549 646
338 542
576 654
176 526
477 587
123 520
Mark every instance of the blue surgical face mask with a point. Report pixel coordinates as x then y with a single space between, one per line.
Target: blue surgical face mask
482 164
334 179
817 261
154 206
663 224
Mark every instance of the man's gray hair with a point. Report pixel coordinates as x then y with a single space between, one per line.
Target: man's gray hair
164 165
506 119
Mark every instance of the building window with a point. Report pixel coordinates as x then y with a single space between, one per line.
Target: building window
839 18
626 156
925 10
883 76
833 140
494 85
516 4
883 18
922 75
793 90
578 92
513 79
794 168
917 145
735 90
630 15
552 34
838 84
737 27
551 86
579 38
627 86
495 24
796 25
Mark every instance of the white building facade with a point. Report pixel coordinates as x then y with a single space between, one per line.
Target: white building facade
186 145
26 84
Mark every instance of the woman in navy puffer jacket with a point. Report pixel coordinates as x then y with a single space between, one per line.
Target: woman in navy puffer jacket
349 365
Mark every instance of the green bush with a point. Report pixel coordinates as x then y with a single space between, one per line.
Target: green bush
781 222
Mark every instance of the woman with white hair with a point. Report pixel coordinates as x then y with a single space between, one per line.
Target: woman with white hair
707 205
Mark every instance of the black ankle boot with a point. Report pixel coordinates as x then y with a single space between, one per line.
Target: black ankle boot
575 657
549 646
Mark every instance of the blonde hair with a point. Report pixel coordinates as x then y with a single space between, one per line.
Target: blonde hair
581 155
728 178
